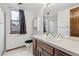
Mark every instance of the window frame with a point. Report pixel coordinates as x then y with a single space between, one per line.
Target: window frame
13 32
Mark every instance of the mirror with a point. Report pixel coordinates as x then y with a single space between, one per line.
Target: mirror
49 23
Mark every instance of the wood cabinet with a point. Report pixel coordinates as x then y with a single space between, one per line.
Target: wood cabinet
39 51
42 49
34 47
74 22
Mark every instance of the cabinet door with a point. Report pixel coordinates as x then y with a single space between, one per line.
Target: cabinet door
39 51
42 52
45 47
45 53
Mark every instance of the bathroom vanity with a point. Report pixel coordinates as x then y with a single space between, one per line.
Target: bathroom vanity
48 47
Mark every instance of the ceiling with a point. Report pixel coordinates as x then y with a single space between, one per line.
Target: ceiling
33 7
57 7
53 8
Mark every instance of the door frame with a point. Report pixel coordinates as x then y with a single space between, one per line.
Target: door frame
4 32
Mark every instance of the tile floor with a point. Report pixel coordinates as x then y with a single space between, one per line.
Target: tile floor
19 52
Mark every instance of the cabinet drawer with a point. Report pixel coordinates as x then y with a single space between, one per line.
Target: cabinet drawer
60 53
46 47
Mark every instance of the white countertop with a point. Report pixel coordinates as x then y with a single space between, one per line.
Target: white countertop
67 45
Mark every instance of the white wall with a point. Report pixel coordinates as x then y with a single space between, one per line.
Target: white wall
1 31
15 40
40 21
63 18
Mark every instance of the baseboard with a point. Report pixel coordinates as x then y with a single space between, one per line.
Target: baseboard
15 48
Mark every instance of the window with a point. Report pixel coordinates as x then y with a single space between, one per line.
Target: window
15 26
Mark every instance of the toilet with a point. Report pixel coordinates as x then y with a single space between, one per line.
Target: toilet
28 44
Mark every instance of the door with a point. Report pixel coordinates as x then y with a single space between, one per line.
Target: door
1 32
74 22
